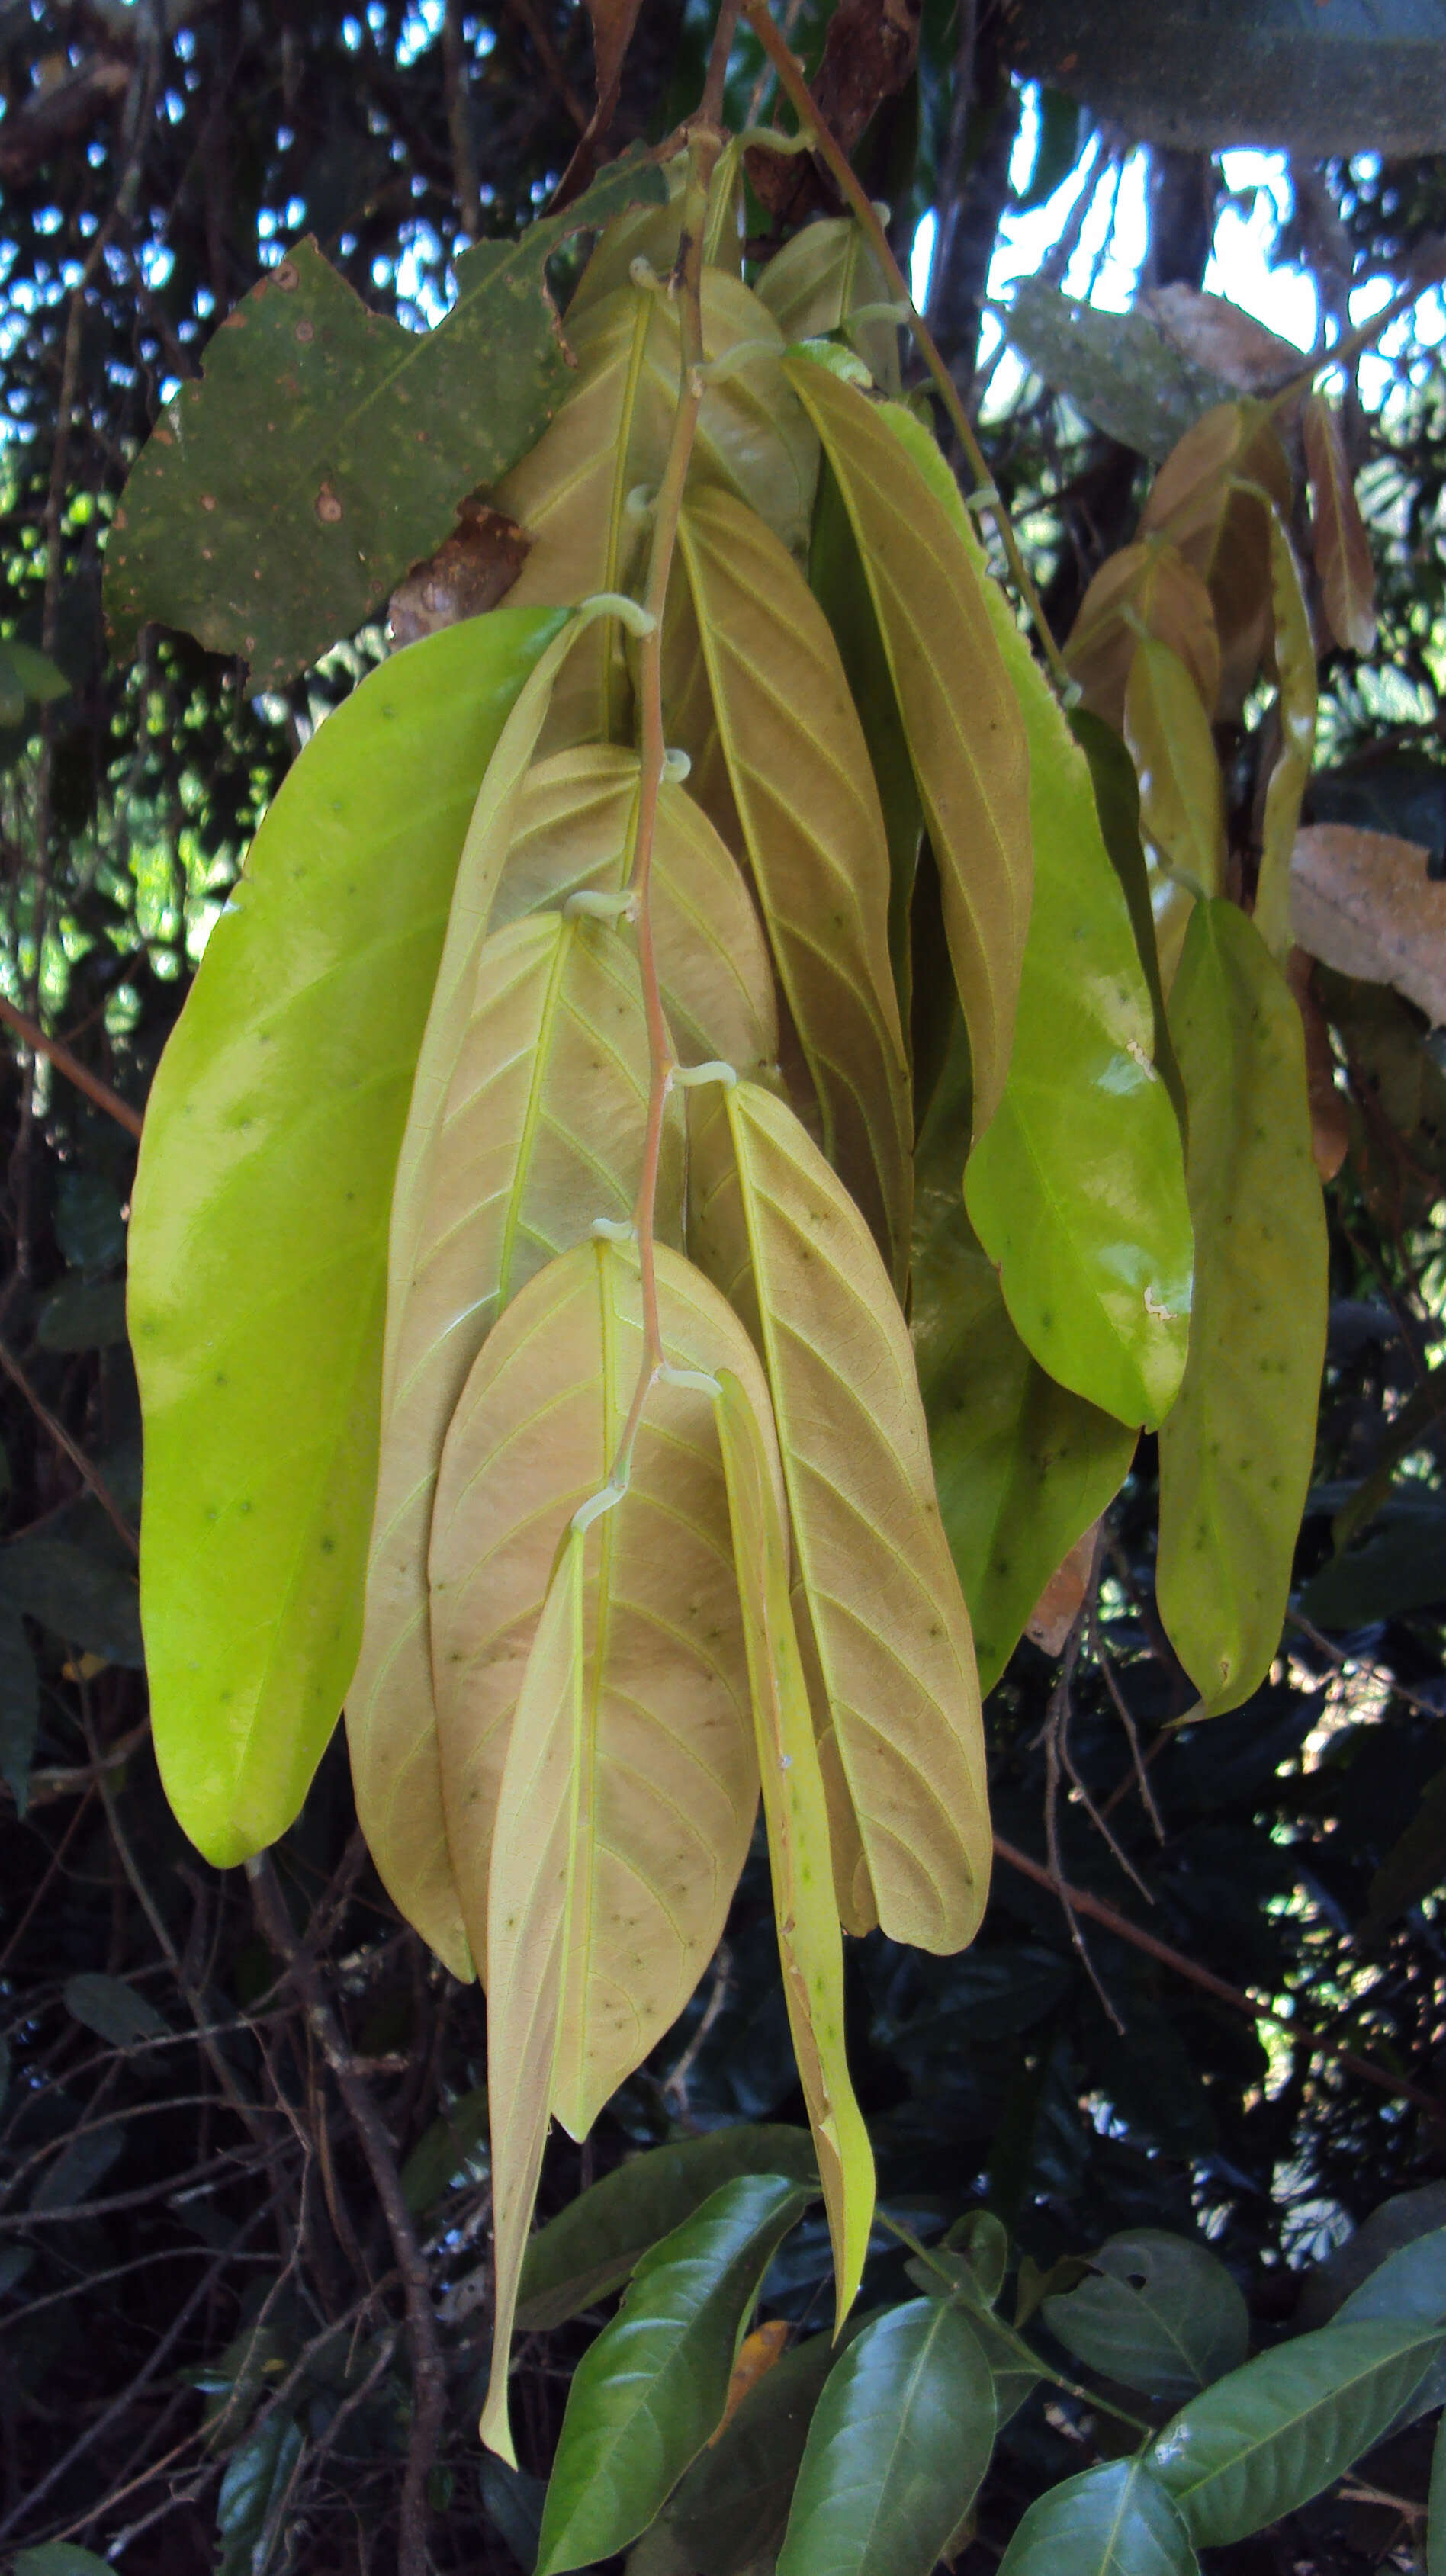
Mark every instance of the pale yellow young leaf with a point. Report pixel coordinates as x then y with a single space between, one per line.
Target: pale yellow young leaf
1182 793
1146 589
581 492
532 1893
795 1810
808 808
543 1130
821 280
575 830
672 1775
960 715
774 1226
852 1887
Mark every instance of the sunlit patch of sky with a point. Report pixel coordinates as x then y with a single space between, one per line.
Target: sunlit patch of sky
1246 266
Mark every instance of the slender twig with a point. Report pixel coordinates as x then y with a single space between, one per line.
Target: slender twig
705 144
63 1441
58 1053
1233 1996
831 151
466 186
429 2379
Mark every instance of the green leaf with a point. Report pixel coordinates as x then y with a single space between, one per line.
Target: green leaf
1235 1453
960 715
1269 2437
259 1234
1409 2285
1117 802
80 2168
731 2510
27 678
1400 1567
513 2502
1023 1467
1119 369
1296 700
1157 2313
1113 2521
19 1706
253 2490
83 1315
597 2241
84 1599
61 2558
899 2443
649 2393
1436 2506
1077 1189
113 2010
324 448
455 2144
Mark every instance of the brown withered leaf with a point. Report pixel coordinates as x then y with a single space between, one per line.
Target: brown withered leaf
1223 531
868 55
1338 537
1062 1599
1362 903
470 572
1330 1125
1217 335
1146 587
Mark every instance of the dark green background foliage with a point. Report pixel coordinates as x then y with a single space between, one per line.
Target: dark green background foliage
205 2351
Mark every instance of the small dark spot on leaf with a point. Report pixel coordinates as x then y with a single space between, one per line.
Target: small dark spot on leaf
306 331
287 276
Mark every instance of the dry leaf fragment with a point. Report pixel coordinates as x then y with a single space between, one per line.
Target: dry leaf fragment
470 572
1330 1125
756 2356
1362 903
1149 588
1062 1599
1216 334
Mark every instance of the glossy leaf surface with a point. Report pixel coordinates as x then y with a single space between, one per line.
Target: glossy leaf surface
813 831
795 1809
648 2393
1271 2436
324 448
963 724
1110 2521
1182 794
774 1226
731 2510
898 2445
1023 1467
1077 1188
1236 1451
258 1234
595 2242
1156 2313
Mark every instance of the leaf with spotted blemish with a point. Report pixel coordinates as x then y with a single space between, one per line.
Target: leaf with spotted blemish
1236 1450
795 1809
773 1225
258 1234
324 449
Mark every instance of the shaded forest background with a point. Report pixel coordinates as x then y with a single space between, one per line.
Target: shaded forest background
207 2346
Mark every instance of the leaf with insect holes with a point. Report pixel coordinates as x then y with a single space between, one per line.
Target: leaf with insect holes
544 1129
813 832
1236 1450
1339 543
796 1813
259 1227
577 493
324 449
960 714
774 1226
